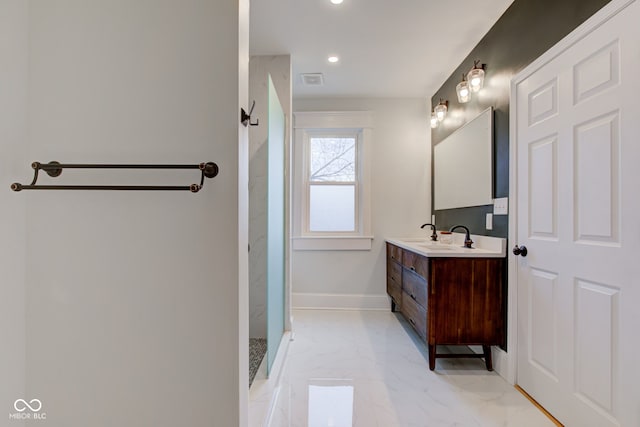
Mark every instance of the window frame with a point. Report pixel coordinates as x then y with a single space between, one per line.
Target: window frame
327 124
307 183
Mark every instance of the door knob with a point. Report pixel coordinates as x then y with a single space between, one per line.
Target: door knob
520 250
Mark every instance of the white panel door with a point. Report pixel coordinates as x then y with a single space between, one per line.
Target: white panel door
577 142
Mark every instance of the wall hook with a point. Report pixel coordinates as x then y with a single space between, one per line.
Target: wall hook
245 118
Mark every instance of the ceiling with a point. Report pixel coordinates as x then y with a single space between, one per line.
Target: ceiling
387 48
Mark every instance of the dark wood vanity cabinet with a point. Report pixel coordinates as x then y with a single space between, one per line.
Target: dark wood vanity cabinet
449 301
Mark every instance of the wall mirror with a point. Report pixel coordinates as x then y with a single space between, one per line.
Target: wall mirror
463 165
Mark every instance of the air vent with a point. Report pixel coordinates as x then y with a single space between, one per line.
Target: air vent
312 79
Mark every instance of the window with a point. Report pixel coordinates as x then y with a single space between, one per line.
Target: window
331 181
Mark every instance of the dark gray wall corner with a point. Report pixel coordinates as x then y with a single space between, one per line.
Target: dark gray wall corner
525 31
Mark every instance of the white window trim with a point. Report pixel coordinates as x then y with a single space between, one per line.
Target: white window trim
305 143
313 123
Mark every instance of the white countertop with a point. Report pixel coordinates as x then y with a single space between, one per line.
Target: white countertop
483 246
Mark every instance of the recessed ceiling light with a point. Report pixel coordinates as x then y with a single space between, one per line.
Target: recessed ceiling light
333 59
336 1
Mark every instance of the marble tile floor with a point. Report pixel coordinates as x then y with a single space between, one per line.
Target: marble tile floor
368 368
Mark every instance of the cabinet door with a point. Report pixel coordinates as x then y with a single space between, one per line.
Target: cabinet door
465 301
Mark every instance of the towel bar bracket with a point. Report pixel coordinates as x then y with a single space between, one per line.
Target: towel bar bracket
209 169
52 168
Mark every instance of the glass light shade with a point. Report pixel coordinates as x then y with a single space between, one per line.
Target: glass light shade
434 121
463 91
476 79
441 111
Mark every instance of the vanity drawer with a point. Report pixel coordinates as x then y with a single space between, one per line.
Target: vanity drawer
415 286
394 282
394 253
415 314
417 263
394 272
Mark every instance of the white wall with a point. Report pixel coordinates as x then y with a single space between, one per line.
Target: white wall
13 133
260 67
401 202
136 303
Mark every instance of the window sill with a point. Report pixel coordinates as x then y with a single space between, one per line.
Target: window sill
332 243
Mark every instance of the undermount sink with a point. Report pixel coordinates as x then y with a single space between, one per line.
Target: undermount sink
414 239
428 244
437 247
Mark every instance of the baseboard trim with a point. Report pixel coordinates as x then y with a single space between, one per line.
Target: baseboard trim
303 301
501 364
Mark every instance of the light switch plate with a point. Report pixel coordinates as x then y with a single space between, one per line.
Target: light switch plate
489 221
433 219
501 206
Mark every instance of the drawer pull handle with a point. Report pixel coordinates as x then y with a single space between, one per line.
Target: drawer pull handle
412 297
412 322
412 268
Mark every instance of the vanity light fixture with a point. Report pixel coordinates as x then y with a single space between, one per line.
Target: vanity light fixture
463 90
333 59
476 76
336 1
434 120
441 109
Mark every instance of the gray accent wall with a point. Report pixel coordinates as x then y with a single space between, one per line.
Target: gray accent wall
525 31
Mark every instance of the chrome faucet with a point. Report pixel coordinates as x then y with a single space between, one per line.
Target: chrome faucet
434 235
467 239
